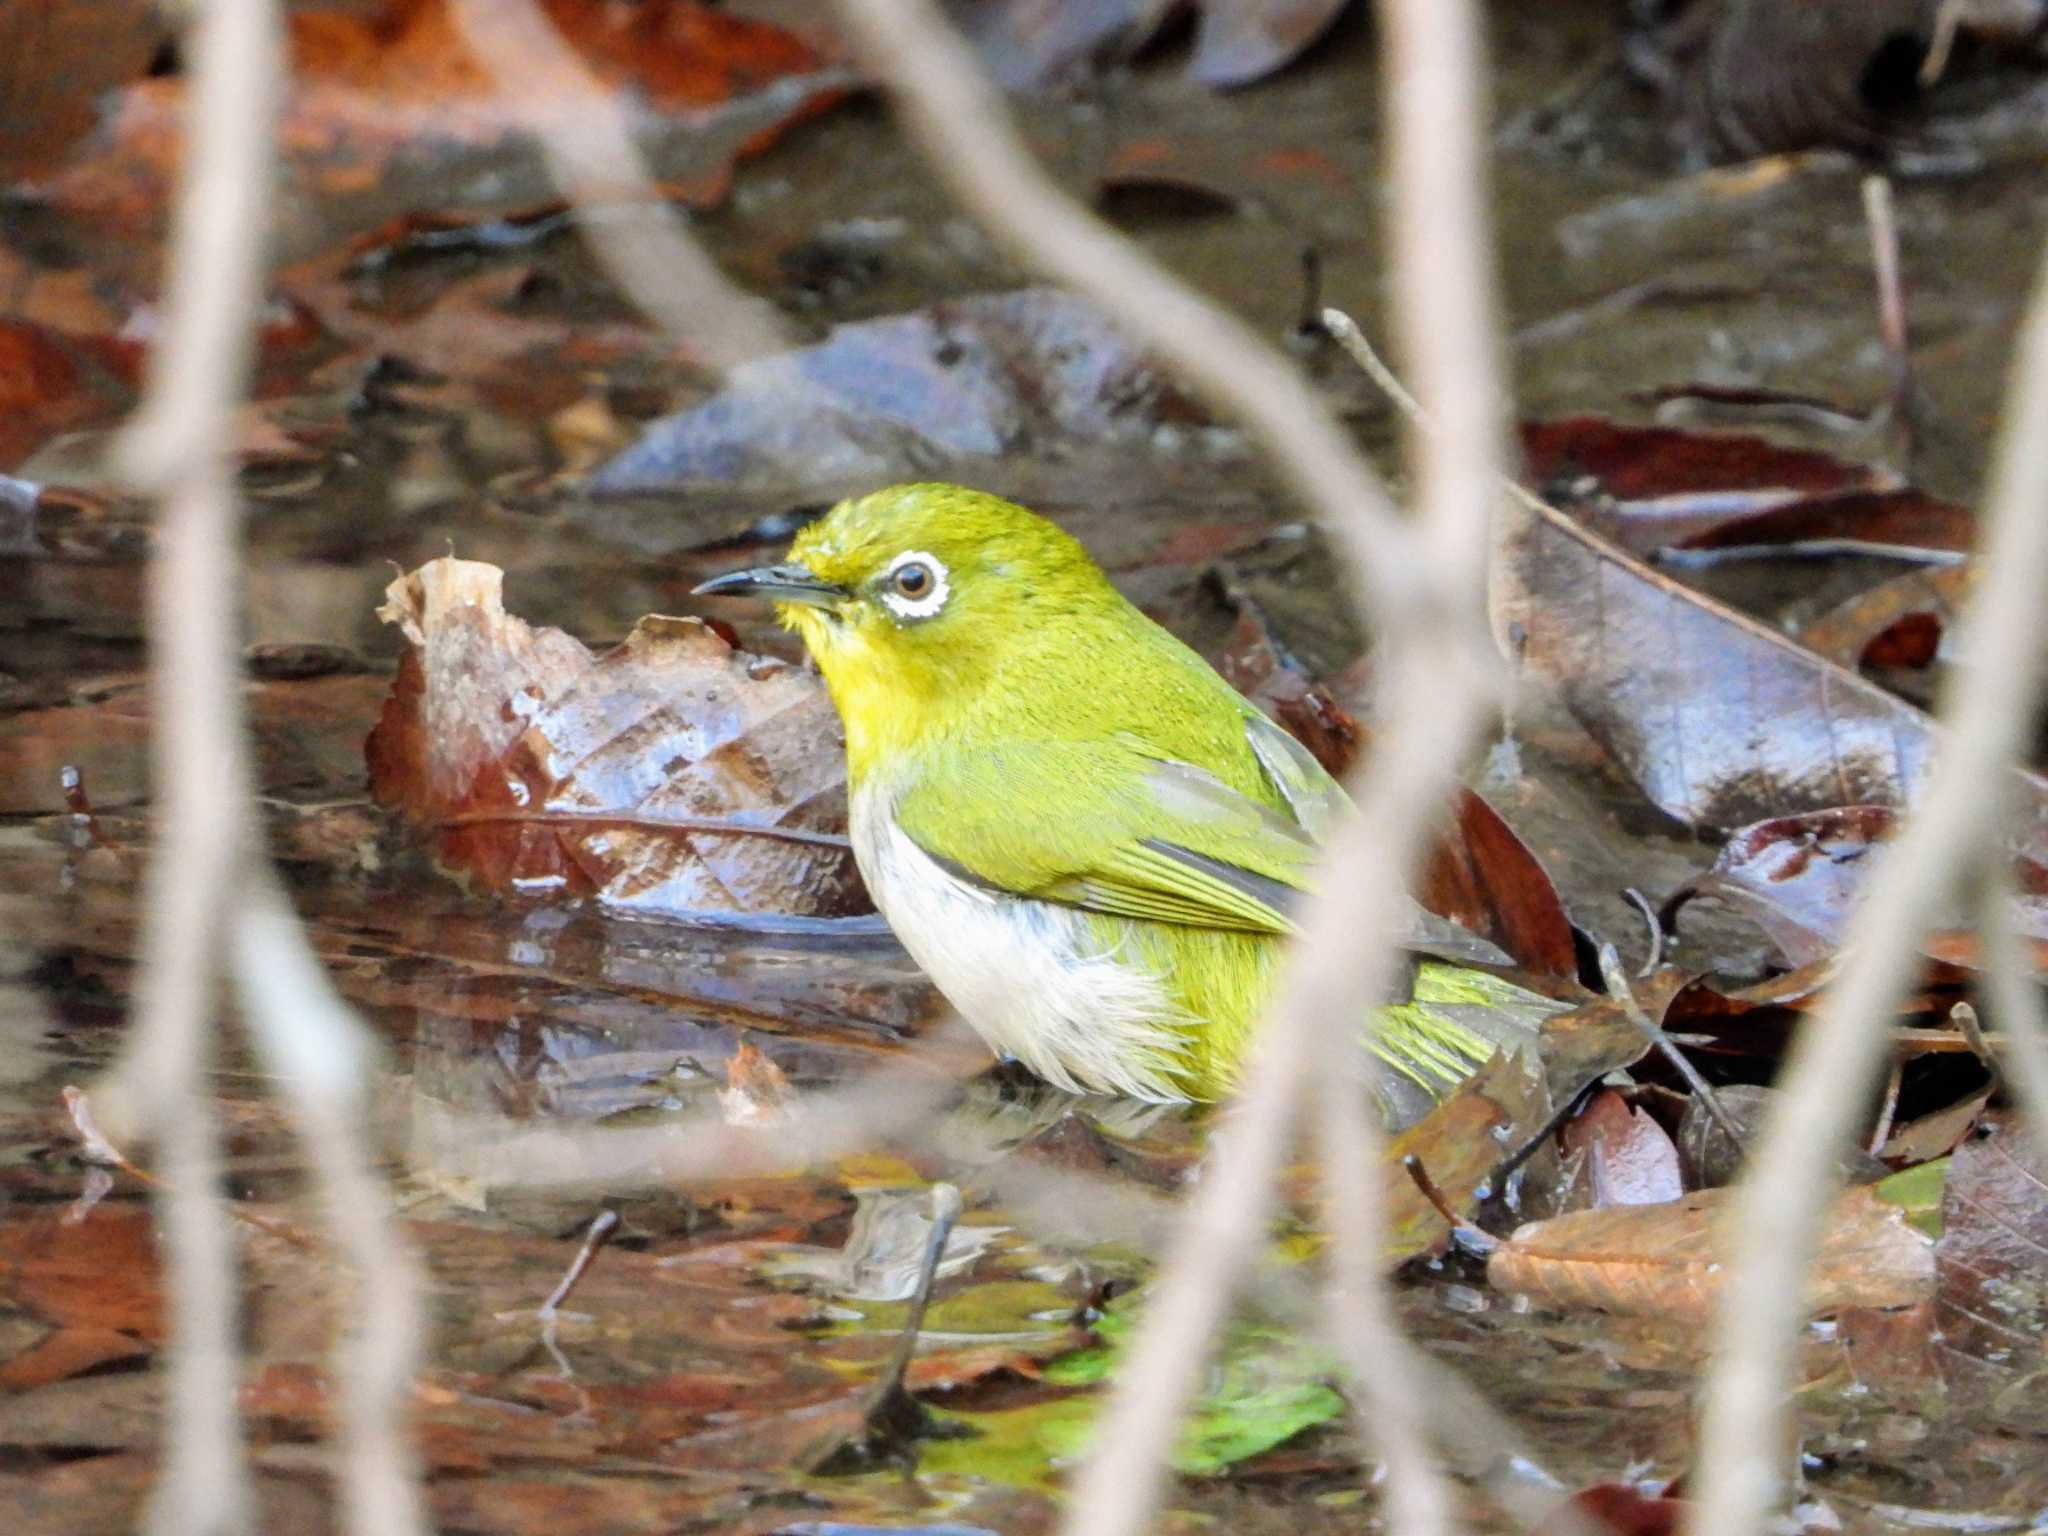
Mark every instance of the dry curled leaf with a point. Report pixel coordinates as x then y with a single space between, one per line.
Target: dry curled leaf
673 775
1669 1260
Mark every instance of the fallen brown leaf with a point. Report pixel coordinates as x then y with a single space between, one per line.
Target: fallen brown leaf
673 775
1669 1260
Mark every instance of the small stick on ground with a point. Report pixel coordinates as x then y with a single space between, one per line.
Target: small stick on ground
1895 417
1882 1131
891 1418
1619 989
1463 1233
1965 1019
1651 920
601 1230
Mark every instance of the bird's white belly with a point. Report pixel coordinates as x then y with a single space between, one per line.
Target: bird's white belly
1033 977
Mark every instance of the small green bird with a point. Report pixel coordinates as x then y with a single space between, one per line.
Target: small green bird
1086 837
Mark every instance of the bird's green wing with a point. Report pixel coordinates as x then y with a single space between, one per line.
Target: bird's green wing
1103 825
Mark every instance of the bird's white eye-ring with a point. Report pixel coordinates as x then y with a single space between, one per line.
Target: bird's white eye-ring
915 586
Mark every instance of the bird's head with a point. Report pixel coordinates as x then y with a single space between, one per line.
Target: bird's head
915 600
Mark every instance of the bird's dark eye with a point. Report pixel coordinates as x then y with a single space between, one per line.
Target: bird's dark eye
913 579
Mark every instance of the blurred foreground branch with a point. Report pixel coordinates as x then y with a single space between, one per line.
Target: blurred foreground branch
587 137
1833 1065
1426 596
955 116
200 891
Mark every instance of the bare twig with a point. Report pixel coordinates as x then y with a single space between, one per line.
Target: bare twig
1362 1324
1619 989
1896 413
312 1042
602 1226
1654 924
1888 1112
177 446
588 141
1833 1061
200 889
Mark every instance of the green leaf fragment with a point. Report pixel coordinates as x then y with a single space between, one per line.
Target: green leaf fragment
1918 1192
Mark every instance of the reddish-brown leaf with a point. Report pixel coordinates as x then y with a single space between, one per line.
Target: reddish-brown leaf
56 57
1649 488
1868 521
1614 1508
1483 876
1897 623
99 1272
1629 1158
671 775
389 106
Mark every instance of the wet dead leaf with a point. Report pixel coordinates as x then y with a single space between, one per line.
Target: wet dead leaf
673 775
1239 41
1800 877
1598 1037
1991 1269
1719 719
1903 622
1669 1260
1615 1509
967 379
1760 78
1483 877
1902 522
756 1092
56 58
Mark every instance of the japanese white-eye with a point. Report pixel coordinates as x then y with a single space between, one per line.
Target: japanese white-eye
1086 837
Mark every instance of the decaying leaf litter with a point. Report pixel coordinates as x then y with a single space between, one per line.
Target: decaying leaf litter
1697 352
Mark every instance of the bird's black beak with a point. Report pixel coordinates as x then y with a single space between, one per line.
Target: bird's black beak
783 583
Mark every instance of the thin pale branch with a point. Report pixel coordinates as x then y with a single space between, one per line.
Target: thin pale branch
177 447
319 1054
199 892
587 138
1834 1061
949 108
